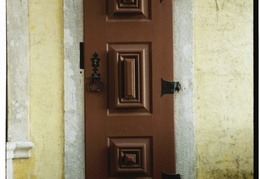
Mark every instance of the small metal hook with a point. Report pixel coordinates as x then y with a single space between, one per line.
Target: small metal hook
96 76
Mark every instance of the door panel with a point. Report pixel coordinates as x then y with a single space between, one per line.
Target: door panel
129 80
129 125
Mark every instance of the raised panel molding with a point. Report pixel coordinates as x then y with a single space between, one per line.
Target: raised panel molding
129 78
129 3
130 157
129 6
128 9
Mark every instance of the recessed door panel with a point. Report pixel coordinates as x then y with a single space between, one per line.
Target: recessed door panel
129 127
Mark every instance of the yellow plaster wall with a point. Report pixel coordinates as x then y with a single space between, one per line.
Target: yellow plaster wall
46 92
223 55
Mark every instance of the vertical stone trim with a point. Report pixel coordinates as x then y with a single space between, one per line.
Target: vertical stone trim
74 149
2 87
9 160
18 145
18 70
184 73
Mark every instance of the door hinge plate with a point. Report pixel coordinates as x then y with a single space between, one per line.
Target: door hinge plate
169 87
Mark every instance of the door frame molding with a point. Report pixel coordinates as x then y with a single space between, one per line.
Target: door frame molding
184 100
74 140
2 88
74 149
17 71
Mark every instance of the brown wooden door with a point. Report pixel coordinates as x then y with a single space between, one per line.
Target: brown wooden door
129 125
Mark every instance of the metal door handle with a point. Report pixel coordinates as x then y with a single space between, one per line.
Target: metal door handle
96 76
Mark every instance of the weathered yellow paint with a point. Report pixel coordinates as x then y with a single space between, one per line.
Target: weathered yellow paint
223 55
46 92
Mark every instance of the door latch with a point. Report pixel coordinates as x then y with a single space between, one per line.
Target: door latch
169 87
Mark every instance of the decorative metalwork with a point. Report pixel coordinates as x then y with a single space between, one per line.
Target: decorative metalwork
99 86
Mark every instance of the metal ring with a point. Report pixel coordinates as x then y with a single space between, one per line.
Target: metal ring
98 89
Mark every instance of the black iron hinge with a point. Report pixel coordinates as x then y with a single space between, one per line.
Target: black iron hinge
81 56
170 176
169 87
